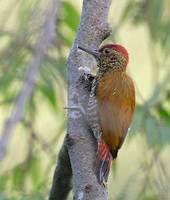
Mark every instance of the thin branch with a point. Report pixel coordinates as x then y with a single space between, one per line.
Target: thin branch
46 38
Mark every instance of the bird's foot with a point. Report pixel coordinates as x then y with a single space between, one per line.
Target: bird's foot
86 80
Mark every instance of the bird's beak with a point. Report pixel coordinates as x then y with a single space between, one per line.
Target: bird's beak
94 52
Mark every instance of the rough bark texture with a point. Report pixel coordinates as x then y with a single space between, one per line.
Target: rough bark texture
92 31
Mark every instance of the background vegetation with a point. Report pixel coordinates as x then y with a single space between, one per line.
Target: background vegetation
142 171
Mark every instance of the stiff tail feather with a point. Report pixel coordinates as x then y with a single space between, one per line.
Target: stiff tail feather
103 162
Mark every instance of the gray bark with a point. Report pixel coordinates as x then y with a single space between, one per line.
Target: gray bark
82 146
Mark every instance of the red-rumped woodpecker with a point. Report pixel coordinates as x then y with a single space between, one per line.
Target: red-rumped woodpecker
111 104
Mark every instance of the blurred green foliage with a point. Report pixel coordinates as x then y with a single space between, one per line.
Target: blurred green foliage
29 177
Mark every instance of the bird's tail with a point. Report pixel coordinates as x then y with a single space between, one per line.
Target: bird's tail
103 162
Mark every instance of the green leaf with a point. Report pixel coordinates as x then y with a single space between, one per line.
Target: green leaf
163 113
135 11
25 12
3 182
165 135
128 10
6 82
47 90
57 67
149 197
67 38
70 15
35 171
165 37
18 176
155 9
152 132
68 22
137 120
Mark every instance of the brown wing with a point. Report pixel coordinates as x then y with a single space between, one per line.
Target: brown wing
116 103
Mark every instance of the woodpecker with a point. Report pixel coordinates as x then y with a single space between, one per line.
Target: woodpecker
111 104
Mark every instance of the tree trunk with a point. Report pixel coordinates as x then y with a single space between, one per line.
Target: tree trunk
82 146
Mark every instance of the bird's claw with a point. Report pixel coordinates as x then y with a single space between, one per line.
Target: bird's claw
86 77
86 80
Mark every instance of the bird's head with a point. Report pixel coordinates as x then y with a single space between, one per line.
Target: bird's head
110 56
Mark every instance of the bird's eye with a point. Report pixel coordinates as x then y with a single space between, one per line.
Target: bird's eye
112 58
106 51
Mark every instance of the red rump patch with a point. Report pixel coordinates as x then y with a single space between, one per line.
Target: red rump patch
103 163
103 149
118 48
